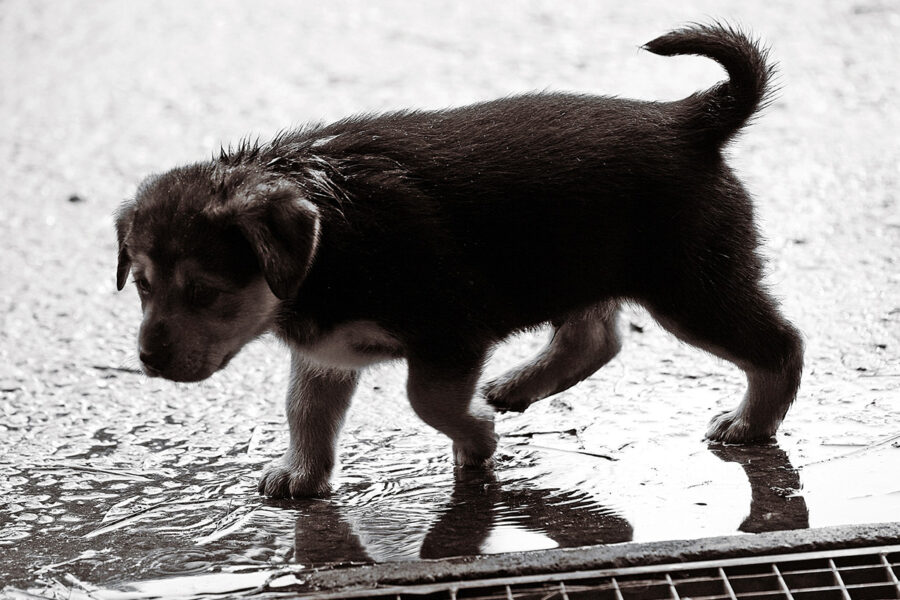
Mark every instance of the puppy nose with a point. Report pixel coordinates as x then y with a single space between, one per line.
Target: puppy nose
153 344
155 359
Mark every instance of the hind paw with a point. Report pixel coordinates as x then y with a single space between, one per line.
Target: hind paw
732 427
503 397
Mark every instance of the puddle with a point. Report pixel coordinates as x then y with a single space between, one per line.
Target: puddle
118 486
167 506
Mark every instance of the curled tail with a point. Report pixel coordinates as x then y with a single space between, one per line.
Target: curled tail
721 111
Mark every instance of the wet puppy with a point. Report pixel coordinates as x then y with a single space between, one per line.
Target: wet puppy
431 236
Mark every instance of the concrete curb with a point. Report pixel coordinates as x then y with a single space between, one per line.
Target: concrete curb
597 557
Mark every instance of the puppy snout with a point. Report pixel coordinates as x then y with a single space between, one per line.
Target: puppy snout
154 350
156 359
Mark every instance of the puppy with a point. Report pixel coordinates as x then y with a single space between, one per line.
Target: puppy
432 235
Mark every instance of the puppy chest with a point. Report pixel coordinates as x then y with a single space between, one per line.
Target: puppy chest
354 345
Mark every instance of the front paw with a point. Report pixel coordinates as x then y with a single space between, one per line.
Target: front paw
734 428
282 479
478 450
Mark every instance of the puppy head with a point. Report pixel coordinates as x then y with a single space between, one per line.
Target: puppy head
213 253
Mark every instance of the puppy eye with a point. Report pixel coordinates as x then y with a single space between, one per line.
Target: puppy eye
200 295
142 284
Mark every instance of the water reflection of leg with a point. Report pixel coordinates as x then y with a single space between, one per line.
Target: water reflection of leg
569 519
775 504
461 530
322 535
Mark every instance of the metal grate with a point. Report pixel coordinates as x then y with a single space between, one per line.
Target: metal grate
864 574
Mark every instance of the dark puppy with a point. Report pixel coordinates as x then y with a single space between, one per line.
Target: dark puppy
431 236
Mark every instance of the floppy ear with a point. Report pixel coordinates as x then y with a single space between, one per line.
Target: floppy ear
124 217
283 228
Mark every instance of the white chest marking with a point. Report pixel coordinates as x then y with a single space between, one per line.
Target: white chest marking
353 346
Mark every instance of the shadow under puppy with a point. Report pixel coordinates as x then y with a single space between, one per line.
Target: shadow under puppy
432 235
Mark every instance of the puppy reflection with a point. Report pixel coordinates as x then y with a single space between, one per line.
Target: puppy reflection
479 509
775 504
565 518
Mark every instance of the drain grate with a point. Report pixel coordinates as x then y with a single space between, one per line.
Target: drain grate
862 573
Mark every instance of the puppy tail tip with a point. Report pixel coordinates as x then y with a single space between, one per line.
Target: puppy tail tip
724 109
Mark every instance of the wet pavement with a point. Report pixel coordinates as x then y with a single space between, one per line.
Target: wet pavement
114 485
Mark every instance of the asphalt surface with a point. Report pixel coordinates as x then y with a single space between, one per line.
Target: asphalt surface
107 478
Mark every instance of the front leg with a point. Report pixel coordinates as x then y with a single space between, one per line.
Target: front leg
442 392
317 400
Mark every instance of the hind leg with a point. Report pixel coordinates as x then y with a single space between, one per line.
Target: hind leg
580 345
735 319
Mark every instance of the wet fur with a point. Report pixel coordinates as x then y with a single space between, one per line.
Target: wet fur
432 235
